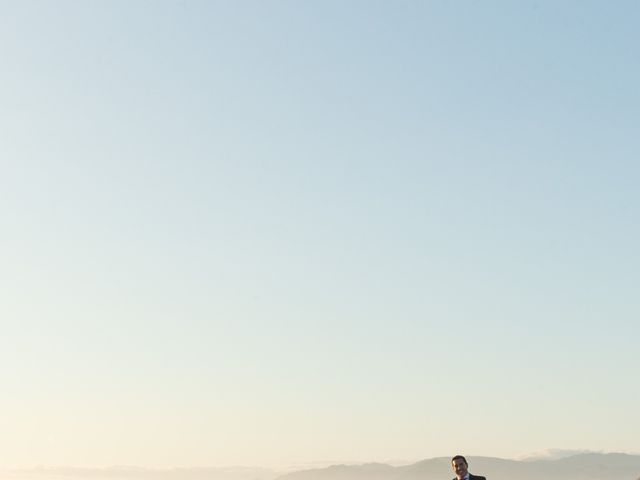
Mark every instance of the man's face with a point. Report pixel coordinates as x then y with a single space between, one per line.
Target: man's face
460 467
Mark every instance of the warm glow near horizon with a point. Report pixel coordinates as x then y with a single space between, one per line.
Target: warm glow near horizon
293 233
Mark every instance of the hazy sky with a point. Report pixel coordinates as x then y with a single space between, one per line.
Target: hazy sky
270 232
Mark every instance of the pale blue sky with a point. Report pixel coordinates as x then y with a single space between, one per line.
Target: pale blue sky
263 233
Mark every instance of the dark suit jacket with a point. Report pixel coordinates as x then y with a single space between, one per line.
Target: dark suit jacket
472 477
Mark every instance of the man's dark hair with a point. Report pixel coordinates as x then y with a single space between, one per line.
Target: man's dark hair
460 457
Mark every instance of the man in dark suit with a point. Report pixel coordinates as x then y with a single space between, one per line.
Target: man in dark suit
461 468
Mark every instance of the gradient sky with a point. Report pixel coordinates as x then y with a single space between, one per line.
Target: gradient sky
270 232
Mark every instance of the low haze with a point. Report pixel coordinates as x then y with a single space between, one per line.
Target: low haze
285 234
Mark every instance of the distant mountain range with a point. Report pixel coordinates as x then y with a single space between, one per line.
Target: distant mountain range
585 466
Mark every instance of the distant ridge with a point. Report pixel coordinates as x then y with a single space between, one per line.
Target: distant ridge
585 466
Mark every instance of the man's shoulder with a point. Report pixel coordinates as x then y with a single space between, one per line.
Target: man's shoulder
476 477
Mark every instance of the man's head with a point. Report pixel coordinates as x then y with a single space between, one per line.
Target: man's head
459 466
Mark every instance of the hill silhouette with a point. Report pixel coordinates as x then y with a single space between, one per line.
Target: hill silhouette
587 466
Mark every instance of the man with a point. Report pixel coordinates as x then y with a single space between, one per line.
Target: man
461 468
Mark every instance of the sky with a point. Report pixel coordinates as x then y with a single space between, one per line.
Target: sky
276 232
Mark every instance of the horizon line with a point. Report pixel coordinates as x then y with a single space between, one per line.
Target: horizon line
547 455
